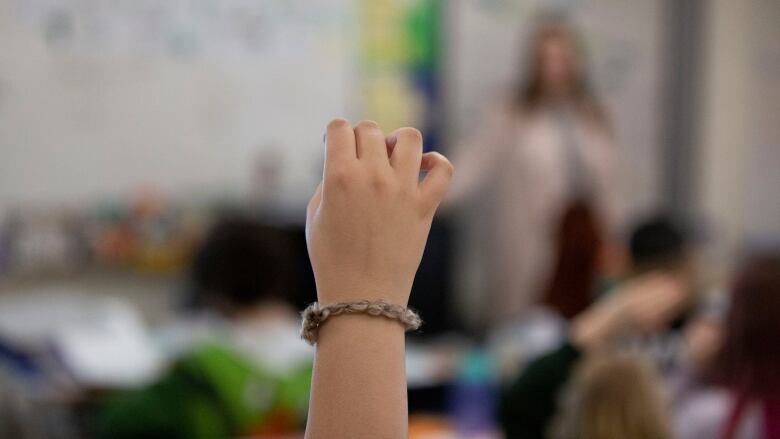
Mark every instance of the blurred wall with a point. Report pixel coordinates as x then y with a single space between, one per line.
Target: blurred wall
739 174
99 98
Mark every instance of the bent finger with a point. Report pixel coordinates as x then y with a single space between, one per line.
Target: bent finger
339 144
434 185
407 154
371 146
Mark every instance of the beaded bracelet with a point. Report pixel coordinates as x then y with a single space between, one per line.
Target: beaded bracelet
315 315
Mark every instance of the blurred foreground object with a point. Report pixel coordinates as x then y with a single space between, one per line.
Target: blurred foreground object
741 395
614 396
241 368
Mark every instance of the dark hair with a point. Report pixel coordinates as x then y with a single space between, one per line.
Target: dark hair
579 239
749 359
656 243
241 263
530 91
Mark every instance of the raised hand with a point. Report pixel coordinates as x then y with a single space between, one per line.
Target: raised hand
368 221
646 304
366 229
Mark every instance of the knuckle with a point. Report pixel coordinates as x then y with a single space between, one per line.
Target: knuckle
338 123
381 183
411 133
367 125
340 176
449 168
445 164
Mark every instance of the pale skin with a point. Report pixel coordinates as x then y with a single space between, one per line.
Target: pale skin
646 304
366 229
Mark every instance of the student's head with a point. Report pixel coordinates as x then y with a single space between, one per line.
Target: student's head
555 68
241 264
578 243
658 243
749 359
614 396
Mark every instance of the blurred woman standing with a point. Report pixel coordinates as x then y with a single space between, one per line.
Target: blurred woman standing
551 147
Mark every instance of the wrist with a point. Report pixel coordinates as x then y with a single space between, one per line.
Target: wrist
315 316
358 328
330 293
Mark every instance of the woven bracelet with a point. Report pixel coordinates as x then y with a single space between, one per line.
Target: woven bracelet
315 315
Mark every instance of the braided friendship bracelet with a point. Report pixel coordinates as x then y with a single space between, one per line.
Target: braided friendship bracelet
314 315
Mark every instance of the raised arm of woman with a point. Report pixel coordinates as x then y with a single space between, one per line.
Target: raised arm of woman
481 155
366 229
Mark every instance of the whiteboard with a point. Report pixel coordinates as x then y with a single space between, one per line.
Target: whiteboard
99 98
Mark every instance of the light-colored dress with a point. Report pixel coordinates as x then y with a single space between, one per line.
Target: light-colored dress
515 178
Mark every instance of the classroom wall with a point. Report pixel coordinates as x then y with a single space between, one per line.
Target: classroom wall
118 107
103 98
738 178
100 99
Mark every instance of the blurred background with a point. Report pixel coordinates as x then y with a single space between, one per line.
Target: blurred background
156 158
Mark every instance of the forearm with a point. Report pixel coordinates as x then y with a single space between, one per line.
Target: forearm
359 383
366 228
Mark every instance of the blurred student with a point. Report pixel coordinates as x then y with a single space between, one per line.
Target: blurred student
742 360
242 369
637 314
547 149
614 396
658 245
529 404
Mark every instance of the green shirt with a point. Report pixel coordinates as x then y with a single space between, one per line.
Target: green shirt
528 405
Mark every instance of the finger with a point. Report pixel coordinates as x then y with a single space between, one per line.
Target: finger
370 143
407 154
434 185
314 203
339 144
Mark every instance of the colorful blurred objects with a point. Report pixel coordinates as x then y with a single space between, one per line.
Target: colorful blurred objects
399 63
146 233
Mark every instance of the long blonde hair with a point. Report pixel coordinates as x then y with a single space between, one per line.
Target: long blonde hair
613 396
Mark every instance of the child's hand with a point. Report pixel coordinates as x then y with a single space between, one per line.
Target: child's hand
646 304
655 300
369 219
